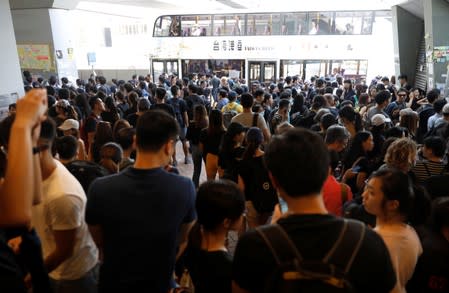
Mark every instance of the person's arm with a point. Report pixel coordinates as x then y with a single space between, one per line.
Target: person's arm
16 196
361 177
410 101
64 221
236 288
97 236
186 118
349 174
183 238
90 153
188 221
81 150
37 178
90 139
64 247
263 126
241 183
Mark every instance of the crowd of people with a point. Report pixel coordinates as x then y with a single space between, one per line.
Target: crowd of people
350 176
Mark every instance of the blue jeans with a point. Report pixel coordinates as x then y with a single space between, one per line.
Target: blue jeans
197 162
86 284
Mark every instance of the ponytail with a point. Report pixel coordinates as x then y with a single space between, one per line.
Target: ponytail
109 165
250 150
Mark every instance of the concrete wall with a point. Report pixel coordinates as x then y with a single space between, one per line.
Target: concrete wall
10 75
33 26
110 74
63 36
407 35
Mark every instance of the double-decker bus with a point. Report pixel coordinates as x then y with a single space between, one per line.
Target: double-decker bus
264 46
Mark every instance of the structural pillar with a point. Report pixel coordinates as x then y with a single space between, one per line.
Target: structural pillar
45 37
407 36
11 85
436 23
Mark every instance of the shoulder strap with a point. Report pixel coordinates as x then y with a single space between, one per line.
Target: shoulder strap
277 240
344 193
347 245
255 118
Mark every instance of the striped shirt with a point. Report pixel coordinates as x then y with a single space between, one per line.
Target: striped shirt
425 169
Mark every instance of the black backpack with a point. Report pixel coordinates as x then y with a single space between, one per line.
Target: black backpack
296 274
191 102
227 117
86 172
306 120
263 193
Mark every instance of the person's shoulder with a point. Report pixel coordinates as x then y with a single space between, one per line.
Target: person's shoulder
176 181
373 244
108 181
239 116
65 180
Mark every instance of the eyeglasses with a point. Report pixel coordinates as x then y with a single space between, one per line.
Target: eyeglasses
402 95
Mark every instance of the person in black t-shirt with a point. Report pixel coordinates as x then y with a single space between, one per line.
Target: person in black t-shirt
220 206
160 102
231 151
298 162
432 270
210 139
143 105
199 122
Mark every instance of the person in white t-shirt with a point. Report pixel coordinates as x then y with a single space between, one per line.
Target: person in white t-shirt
70 254
249 119
389 196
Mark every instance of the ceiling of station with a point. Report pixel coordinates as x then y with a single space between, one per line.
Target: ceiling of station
415 7
259 5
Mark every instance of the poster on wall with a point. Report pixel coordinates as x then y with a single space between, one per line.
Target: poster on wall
34 57
441 54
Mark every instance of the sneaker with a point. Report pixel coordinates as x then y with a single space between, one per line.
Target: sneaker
187 161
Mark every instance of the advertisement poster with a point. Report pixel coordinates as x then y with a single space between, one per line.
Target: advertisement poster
34 57
441 54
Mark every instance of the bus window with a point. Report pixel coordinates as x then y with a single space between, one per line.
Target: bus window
292 68
263 24
320 23
217 66
294 24
196 25
353 23
229 25
163 26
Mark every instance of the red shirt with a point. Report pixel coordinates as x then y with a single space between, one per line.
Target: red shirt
332 195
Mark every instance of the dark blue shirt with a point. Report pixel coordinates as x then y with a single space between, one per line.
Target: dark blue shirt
140 213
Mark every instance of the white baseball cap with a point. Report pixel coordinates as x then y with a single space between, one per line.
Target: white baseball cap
379 119
69 124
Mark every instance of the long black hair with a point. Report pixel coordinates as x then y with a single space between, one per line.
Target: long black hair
228 143
352 116
356 149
